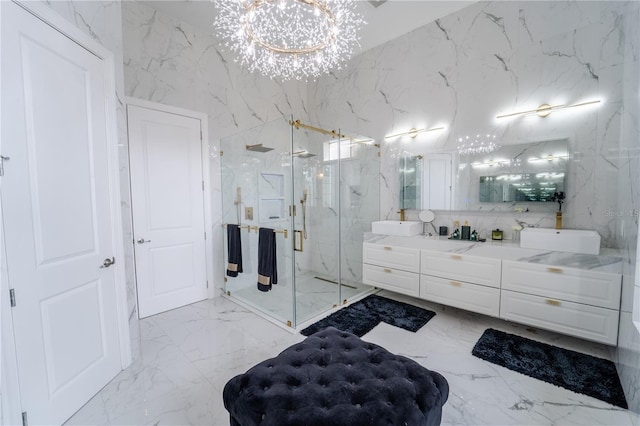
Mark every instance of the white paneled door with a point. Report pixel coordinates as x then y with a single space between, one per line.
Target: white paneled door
167 190
57 217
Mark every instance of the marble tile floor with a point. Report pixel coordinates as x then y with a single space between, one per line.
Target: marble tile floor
188 354
314 296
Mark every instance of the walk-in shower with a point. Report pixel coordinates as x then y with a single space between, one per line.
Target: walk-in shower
319 189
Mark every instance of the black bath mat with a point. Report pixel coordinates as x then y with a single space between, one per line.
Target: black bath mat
360 317
571 370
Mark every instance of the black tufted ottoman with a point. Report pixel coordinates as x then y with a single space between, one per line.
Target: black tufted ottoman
335 378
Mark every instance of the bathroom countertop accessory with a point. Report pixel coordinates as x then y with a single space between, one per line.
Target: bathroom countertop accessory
496 234
466 231
427 216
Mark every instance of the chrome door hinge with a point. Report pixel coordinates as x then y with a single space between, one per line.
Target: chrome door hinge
24 419
207 283
12 297
203 185
205 236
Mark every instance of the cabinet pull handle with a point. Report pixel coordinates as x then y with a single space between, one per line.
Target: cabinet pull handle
552 302
387 270
387 248
455 283
456 257
554 270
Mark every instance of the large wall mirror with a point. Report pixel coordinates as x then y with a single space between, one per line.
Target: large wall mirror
522 173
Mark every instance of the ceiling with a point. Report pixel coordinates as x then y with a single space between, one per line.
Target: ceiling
386 20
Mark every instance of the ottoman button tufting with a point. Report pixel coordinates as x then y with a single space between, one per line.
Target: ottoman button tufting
344 386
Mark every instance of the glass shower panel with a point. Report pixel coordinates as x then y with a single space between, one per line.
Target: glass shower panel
316 194
360 200
256 168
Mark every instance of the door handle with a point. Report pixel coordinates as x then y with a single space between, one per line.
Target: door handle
108 262
142 241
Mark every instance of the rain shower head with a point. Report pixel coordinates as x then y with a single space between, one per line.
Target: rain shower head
303 154
258 148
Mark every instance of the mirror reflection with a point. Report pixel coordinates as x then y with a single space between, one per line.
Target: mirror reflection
410 168
530 172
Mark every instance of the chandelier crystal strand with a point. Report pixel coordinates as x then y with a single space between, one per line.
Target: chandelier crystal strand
289 39
480 144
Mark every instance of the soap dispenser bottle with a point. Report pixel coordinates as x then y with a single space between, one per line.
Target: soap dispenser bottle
474 236
466 231
456 233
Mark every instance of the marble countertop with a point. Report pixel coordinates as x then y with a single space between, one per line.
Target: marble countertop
609 260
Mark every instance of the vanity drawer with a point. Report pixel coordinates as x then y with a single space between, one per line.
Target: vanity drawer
406 259
471 269
600 289
391 279
587 322
472 297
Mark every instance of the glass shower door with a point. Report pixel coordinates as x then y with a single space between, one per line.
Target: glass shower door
317 203
257 186
359 206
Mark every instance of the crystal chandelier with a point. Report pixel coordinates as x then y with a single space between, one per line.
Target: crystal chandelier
480 144
289 39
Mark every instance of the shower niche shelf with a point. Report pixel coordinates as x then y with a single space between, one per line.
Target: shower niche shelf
271 196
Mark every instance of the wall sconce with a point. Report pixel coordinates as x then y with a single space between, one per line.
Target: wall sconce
413 133
546 109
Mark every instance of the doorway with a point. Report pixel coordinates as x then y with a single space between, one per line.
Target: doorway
169 181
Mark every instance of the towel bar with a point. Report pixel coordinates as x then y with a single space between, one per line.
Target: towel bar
250 228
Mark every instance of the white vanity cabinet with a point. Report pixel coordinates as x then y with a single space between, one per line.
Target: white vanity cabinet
462 281
391 268
577 302
504 281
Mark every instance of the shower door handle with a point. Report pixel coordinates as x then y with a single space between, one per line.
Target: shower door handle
298 244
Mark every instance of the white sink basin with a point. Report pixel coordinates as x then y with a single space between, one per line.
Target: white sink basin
570 240
405 228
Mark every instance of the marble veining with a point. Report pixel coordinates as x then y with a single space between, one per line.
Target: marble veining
461 70
188 354
505 250
573 260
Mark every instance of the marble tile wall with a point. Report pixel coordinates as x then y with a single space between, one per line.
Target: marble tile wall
464 69
498 57
171 62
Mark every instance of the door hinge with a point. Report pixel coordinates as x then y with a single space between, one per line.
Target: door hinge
203 185
205 236
207 283
12 297
2 160
24 419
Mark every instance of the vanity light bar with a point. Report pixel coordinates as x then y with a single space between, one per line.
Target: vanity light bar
546 109
490 163
547 158
414 132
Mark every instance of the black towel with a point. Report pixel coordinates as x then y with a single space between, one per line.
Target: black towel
234 251
267 263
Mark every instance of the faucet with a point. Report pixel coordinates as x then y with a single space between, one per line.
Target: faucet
559 198
401 211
